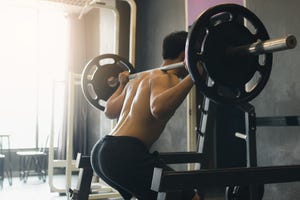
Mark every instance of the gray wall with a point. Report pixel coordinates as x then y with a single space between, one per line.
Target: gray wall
156 19
280 146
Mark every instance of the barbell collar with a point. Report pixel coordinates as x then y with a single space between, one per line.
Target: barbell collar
262 47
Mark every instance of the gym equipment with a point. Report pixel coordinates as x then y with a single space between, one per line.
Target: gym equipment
85 178
100 75
218 40
98 78
83 163
229 62
242 183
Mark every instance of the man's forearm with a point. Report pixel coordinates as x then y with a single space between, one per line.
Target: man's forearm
114 103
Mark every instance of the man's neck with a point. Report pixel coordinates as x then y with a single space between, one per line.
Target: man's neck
178 71
170 61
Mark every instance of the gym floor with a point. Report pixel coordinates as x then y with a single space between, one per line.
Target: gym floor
34 189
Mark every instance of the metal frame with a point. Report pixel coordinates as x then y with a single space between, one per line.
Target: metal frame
169 181
278 121
253 176
84 188
69 163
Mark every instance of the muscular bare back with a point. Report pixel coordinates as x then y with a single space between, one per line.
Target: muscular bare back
136 117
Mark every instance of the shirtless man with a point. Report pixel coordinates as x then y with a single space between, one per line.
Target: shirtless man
143 107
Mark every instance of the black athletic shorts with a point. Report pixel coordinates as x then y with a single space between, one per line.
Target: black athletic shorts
126 164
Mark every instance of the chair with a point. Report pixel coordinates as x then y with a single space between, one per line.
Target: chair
2 157
5 155
33 162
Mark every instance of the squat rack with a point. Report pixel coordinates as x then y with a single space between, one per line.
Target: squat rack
251 175
69 164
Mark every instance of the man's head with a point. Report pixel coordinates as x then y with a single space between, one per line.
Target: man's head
174 44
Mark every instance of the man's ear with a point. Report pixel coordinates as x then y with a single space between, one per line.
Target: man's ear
182 56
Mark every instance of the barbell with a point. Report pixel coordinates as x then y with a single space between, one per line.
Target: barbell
228 42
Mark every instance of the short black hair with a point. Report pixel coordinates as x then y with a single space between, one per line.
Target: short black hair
174 44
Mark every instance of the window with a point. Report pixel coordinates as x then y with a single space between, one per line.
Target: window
32 55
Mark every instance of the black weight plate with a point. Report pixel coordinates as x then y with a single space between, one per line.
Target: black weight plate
100 78
231 71
224 78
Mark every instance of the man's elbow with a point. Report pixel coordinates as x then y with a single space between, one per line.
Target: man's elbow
155 113
159 111
111 113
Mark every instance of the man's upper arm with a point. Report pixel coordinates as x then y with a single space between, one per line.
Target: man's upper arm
158 85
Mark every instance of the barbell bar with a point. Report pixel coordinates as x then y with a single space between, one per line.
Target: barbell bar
113 81
236 62
163 68
256 48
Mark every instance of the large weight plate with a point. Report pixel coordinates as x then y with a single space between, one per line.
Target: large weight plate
100 78
222 77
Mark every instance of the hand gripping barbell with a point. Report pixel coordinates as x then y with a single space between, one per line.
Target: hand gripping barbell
228 41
